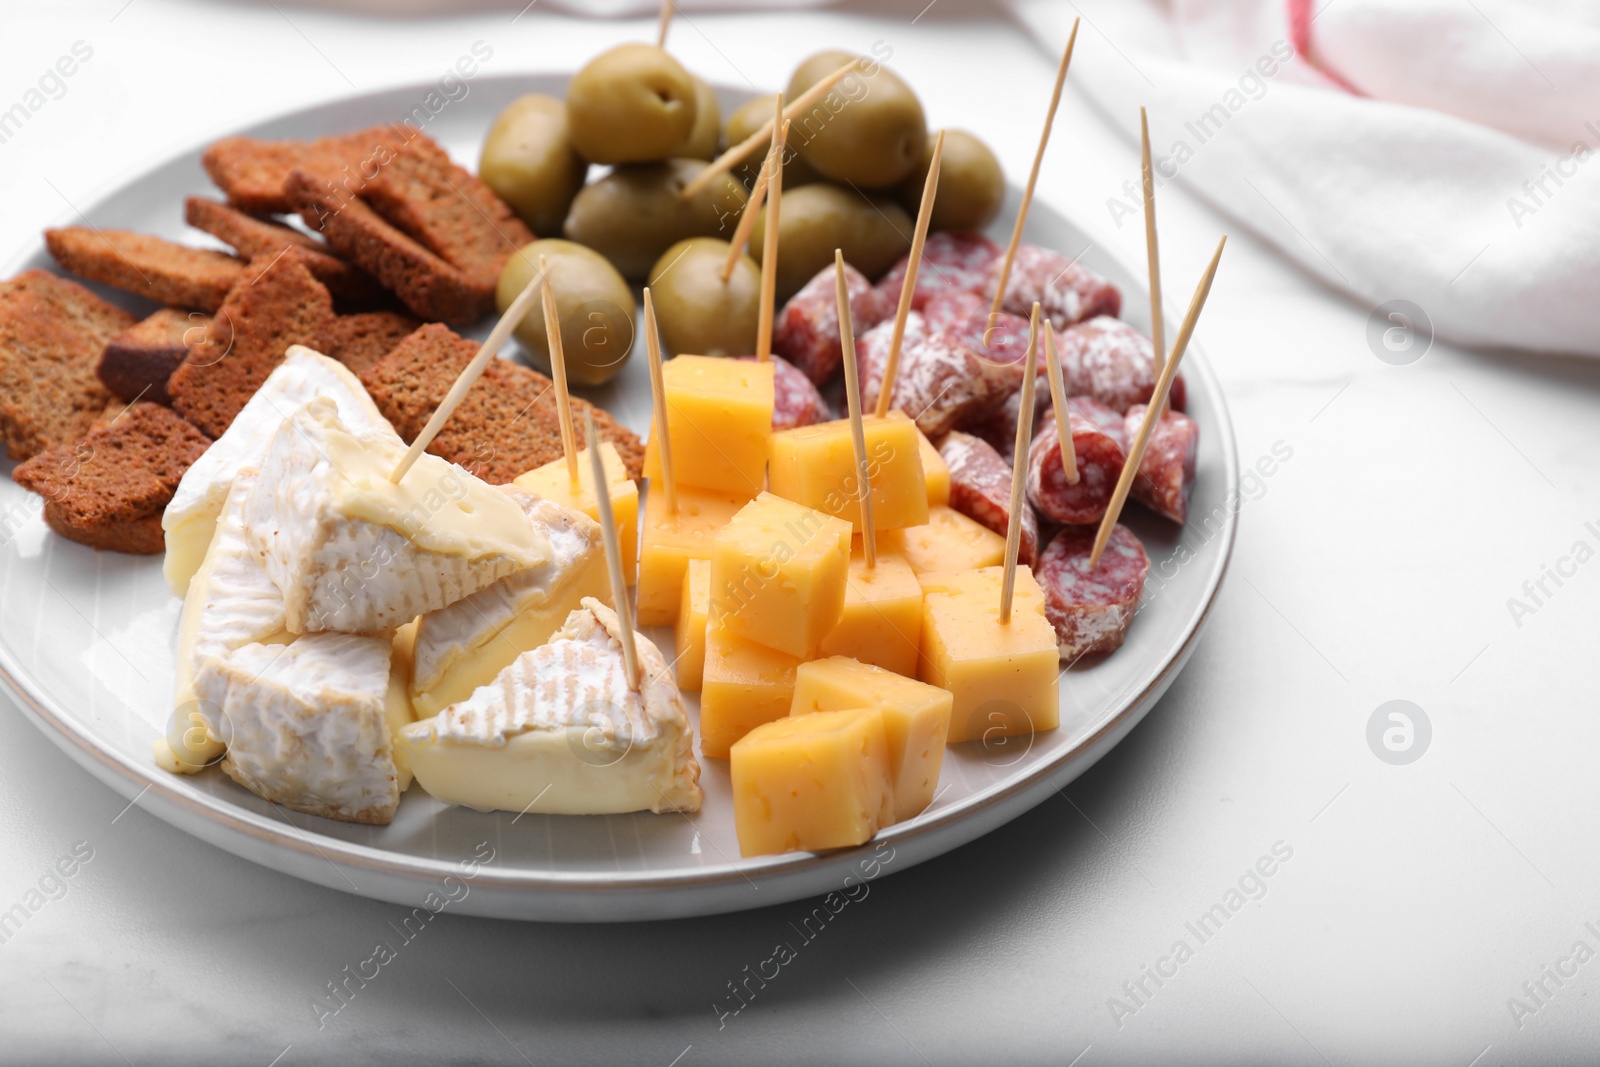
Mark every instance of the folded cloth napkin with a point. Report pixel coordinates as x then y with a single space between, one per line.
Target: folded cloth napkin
1445 152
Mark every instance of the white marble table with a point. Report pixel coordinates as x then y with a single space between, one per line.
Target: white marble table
1406 907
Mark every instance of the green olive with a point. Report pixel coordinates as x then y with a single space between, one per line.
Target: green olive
819 218
749 118
971 184
594 304
528 161
868 131
631 104
696 310
634 214
706 137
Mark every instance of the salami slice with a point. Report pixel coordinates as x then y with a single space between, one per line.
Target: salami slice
1067 291
980 488
795 400
999 425
940 382
1111 361
1166 473
951 262
1099 456
1091 611
806 331
964 317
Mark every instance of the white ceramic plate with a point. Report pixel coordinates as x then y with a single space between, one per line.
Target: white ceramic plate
86 643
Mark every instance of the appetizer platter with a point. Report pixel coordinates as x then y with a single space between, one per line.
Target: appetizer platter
844 514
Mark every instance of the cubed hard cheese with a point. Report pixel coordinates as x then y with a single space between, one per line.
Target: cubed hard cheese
691 629
816 466
948 541
1003 677
719 419
778 574
813 782
882 619
668 541
916 720
744 685
935 472
553 481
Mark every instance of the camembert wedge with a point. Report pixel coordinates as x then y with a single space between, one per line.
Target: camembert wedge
354 552
559 732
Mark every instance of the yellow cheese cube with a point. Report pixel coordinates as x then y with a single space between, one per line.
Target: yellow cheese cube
816 466
691 629
667 542
949 541
1003 677
935 471
916 720
553 482
882 619
719 418
778 574
744 685
814 782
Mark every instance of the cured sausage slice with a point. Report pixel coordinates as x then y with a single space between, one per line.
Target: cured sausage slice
806 331
1091 611
940 382
795 400
1166 473
1067 291
980 488
1111 361
1099 450
951 262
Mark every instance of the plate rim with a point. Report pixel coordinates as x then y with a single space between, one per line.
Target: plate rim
128 778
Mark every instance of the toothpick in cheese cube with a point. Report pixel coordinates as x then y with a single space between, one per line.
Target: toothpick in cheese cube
882 618
949 541
719 416
668 541
816 466
554 482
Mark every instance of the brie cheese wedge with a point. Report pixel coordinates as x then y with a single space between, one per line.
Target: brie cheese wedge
559 732
354 552
466 645
191 517
307 723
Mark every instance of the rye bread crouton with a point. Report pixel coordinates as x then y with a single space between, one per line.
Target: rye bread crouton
252 237
254 172
277 304
359 341
137 363
164 271
507 423
447 210
108 489
52 332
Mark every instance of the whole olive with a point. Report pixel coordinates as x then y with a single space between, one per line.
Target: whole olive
594 304
696 310
971 184
873 233
634 214
749 118
706 136
868 130
528 160
631 104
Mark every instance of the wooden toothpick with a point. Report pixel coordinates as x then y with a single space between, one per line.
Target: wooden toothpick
1019 469
908 289
1058 401
1152 411
852 392
558 371
658 398
608 529
747 218
1033 180
1158 328
769 247
733 156
666 20
470 374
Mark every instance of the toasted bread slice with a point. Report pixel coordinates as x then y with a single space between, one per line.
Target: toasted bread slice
359 341
137 363
254 173
252 237
277 304
426 284
447 210
507 423
52 332
108 489
164 271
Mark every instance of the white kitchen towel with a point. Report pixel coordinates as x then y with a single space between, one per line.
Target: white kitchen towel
1444 152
